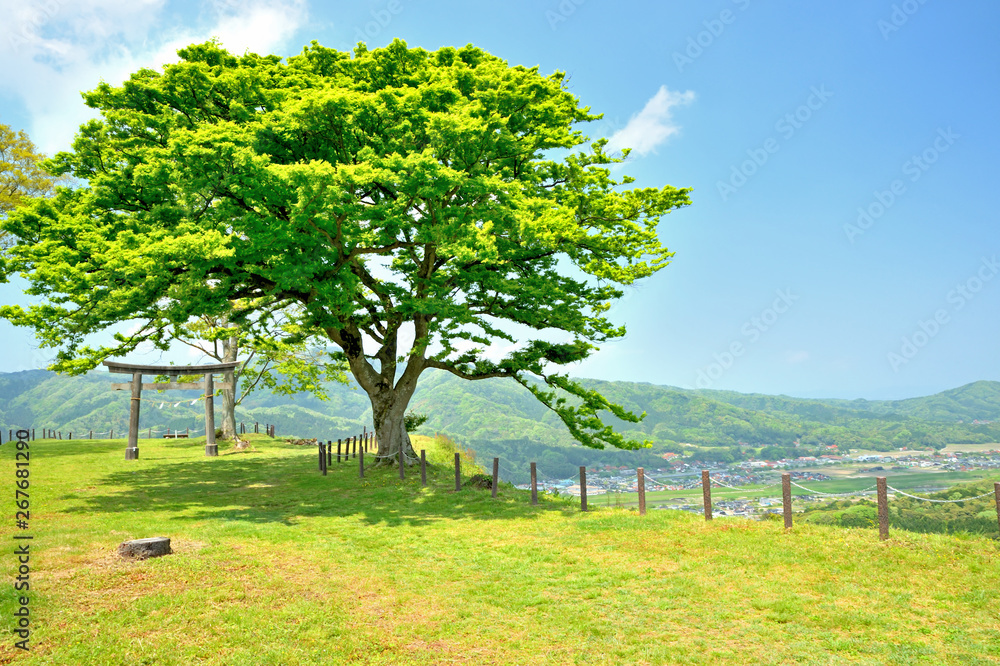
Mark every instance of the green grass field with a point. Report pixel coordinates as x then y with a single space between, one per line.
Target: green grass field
276 564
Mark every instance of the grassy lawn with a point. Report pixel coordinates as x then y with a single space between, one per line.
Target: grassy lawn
276 564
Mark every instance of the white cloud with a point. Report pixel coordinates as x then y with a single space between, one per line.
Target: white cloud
53 49
799 356
652 126
262 29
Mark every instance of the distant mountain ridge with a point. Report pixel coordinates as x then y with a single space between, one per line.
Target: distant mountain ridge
677 419
976 401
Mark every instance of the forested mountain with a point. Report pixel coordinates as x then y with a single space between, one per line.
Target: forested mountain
676 419
977 401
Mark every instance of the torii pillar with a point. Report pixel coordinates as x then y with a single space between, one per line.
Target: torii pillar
173 372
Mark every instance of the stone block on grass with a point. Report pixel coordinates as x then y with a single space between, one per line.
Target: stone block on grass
140 549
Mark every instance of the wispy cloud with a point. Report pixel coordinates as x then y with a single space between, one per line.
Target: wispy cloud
799 356
649 128
55 49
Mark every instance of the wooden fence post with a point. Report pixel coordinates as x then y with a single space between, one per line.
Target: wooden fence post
361 465
402 463
883 508
786 499
996 492
706 494
583 488
256 427
338 451
329 452
458 471
354 447
642 491
423 467
534 484
496 475
322 457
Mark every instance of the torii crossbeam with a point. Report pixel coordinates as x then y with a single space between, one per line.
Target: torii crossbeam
173 372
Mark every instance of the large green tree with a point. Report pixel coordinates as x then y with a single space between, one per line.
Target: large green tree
21 175
415 207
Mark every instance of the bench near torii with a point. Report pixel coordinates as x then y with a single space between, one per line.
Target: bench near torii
173 372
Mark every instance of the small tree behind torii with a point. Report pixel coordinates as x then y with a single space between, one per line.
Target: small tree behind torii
394 196
285 361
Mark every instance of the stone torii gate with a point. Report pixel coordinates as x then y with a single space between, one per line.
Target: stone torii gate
173 372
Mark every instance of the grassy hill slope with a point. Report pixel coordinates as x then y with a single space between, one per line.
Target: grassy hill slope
275 563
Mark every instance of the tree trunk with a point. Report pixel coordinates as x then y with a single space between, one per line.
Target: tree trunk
388 410
230 349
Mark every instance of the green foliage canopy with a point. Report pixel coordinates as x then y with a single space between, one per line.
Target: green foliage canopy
394 188
21 174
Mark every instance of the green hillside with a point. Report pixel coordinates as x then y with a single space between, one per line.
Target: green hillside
976 401
723 424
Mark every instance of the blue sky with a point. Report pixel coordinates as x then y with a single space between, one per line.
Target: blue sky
843 237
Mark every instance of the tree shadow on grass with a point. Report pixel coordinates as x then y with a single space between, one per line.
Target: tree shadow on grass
285 490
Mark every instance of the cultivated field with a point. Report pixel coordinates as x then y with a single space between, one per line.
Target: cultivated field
276 564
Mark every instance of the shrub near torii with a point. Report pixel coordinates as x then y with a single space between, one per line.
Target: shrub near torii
397 191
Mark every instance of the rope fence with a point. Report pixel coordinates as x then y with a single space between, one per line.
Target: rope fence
35 434
367 443
819 492
928 499
881 487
